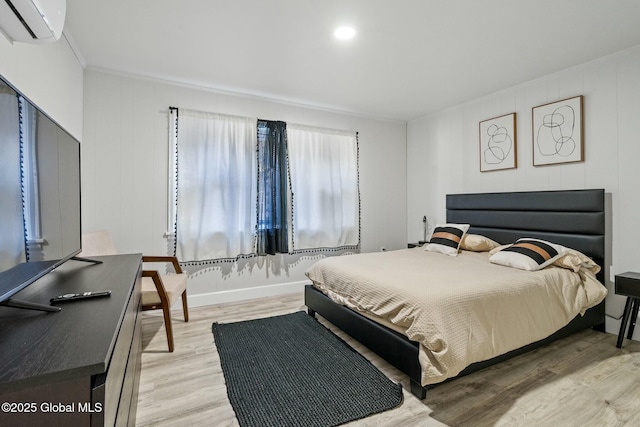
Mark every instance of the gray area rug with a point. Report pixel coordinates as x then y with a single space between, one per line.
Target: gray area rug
290 370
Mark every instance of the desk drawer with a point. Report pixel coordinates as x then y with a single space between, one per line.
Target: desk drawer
111 386
628 284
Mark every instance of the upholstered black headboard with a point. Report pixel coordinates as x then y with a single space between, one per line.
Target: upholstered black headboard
573 218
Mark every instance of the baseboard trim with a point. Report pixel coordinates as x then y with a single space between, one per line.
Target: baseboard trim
235 295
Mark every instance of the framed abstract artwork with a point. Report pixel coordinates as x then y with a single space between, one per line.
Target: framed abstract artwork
498 143
558 135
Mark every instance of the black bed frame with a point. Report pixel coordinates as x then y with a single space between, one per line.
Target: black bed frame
573 218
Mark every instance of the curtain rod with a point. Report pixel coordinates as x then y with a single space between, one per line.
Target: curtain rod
294 124
322 128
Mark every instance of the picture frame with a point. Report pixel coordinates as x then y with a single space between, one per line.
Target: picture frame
498 143
558 132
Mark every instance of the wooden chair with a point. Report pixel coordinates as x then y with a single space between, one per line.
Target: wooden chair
159 291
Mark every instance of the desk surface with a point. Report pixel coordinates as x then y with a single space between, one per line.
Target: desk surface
77 341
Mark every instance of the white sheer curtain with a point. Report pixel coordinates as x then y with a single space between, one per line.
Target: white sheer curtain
12 243
30 180
324 183
216 190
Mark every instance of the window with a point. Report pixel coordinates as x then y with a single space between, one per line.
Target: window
243 186
324 183
215 214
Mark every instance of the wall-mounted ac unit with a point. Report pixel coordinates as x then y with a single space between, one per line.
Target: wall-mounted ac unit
32 21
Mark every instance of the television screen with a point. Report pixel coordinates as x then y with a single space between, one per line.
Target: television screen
39 191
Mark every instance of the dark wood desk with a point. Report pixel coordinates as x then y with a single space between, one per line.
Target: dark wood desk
79 366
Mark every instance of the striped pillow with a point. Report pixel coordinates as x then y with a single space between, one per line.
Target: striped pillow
446 238
528 254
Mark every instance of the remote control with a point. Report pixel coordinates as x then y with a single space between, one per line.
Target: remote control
75 297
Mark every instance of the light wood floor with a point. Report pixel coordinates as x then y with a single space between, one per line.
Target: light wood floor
583 380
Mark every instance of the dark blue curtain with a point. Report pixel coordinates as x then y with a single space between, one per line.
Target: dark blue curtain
273 182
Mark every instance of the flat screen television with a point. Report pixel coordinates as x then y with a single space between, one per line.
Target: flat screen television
39 196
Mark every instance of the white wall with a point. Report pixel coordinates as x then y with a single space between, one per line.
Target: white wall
125 165
50 76
442 152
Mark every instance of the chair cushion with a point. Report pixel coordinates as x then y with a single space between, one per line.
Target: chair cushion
174 284
97 243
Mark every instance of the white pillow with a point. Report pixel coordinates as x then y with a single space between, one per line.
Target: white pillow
477 243
528 254
446 238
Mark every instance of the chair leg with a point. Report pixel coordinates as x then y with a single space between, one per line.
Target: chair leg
185 309
168 327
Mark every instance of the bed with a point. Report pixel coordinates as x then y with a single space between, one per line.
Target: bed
574 219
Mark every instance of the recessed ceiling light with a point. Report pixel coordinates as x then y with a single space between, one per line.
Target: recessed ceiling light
344 33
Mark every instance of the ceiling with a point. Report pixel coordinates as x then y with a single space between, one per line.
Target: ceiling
408 58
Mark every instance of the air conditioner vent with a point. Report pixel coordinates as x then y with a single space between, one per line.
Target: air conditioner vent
32 21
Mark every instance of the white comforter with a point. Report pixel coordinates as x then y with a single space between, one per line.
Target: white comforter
460 309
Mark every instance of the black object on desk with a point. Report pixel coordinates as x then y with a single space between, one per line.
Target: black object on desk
81 296
628 284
